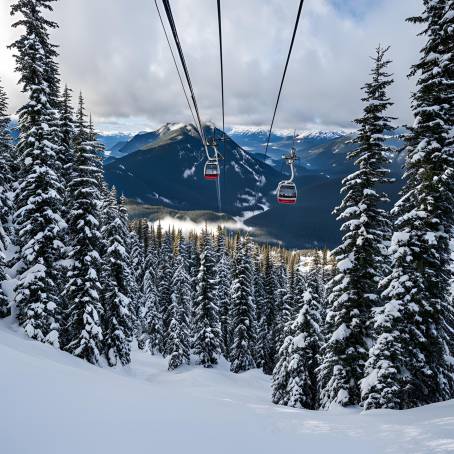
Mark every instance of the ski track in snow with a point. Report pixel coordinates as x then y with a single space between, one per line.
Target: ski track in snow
54 403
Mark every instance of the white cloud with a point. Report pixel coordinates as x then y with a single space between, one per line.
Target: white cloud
188 226
115 52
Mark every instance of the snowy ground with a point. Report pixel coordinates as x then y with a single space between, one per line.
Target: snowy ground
53 403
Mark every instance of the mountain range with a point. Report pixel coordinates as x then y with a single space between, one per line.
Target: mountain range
165 168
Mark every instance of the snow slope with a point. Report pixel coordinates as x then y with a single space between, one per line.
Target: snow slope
53 403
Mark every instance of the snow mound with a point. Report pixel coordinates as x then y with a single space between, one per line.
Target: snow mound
53 403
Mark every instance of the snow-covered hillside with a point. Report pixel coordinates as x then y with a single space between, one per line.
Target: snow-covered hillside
54 403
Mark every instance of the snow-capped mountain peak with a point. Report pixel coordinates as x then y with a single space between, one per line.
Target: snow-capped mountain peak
322 134
325 134
254 130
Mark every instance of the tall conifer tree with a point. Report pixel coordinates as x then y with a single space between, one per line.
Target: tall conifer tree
447 66
116 279
6 177
242 317
136 285
179 343
224 278
268 323
5 196
164 285
38 221
83 331
5 192
287 309
68 131
153 331
259 297
409 364
5 310
295 381
362 255
207 332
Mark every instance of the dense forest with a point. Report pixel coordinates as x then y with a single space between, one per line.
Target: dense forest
370 323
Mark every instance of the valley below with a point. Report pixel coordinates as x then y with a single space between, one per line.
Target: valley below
161 174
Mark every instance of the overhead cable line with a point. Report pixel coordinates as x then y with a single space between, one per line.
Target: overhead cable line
295 29
173 27
222 99
176 64
283 75
222 80
211 162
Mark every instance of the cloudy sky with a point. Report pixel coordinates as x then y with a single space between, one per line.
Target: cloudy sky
115 52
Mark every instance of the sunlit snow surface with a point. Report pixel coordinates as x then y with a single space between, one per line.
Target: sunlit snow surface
52 403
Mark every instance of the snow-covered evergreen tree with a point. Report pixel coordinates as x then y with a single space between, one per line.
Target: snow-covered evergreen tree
137 257
409 364
268 323
260 301
68 131
178 344
35 21
286 311
327 273
194 260
295 370
158 237
164 285
5 192
116 279
146 234
5 310
450 309
152 334
242 310
224 278
152 328
82 328
32 11
362 255
206 326
67 128
6 177
99 152
447 30
295 381
136 285
318 272
38 222
300 284
129 244
193 257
